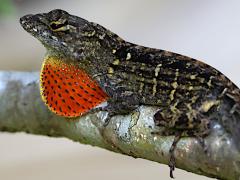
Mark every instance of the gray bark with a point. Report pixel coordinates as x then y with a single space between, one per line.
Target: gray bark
21 109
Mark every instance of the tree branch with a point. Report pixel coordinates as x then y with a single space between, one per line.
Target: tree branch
21 109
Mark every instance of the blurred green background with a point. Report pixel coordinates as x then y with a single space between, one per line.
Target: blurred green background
205 30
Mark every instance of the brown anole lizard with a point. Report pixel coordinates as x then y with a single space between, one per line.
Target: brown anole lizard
87 64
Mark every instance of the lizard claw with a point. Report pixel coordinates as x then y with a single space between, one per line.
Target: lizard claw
106 121
108 118
172 165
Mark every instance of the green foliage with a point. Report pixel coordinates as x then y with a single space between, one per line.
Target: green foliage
6 7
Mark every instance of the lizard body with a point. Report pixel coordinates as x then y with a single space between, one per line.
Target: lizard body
189 93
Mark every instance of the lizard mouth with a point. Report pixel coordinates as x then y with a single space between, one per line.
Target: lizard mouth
25 20
27 23
31 23
37 26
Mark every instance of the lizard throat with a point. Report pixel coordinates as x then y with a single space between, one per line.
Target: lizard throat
67 90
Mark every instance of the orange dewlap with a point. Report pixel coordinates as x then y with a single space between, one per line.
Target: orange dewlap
67 90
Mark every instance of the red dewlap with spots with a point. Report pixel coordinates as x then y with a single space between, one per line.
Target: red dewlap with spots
67 90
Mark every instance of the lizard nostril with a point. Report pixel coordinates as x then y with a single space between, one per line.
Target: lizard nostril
25 19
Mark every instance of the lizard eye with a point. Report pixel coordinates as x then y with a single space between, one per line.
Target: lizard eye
59 25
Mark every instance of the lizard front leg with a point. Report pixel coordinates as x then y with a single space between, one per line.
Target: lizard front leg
118 105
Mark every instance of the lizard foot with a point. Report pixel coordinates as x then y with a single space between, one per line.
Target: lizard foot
109 115
172 161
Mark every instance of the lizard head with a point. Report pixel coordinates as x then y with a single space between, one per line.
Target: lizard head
74 39
66 80
60 32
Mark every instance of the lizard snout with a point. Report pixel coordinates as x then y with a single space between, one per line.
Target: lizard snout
25 19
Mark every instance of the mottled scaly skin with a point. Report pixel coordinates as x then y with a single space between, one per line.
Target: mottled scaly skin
189 93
